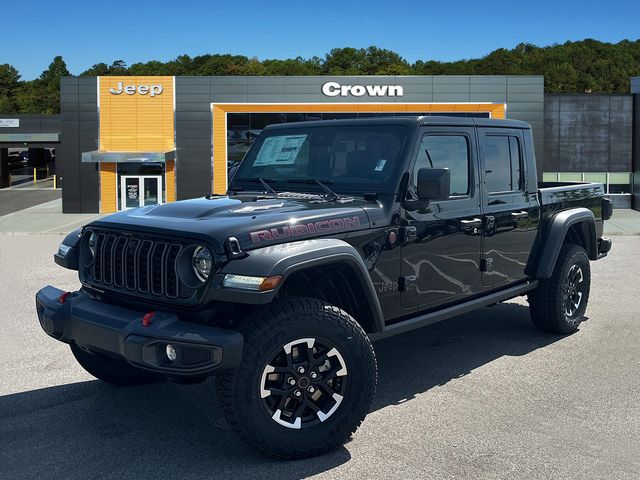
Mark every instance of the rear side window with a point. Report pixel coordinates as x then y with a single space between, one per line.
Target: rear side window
446 151
502 160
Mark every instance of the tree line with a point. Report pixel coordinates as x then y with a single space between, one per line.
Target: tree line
583 66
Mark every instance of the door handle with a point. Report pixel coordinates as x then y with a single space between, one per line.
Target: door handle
519 215
471 223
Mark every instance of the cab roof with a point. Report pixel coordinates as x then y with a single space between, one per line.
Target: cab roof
410 121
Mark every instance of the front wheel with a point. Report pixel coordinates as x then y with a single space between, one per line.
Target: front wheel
559 303
306 380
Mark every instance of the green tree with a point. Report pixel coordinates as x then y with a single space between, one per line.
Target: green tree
118 67
586 65
9 78
293 66
48 86
97 70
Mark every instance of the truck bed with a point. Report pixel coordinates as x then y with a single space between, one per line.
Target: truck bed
557 196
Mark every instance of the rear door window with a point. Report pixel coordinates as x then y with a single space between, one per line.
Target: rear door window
503 163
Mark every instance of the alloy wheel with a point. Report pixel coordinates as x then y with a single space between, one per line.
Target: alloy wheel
303 383
573 291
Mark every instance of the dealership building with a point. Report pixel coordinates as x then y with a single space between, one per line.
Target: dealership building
127 141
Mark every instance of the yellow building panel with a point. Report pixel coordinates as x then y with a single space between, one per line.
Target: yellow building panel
394 107
369 107
135 122
220 149
108 188
170 181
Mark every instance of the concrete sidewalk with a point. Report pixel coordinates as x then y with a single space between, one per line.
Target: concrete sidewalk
623 222
46 218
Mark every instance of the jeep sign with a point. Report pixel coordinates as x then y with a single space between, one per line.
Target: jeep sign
334 89
152 90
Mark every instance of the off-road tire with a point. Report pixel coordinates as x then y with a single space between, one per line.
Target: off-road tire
111 370
547 301
269 329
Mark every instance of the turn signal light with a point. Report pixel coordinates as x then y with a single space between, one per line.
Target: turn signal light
246 282
270 283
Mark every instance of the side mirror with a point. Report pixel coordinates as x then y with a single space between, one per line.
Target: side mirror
433 183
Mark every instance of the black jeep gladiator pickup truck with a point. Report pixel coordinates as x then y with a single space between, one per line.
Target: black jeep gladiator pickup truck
332 234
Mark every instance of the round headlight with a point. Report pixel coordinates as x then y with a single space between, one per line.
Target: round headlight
202 263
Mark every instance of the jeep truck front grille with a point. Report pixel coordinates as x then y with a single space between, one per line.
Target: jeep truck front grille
146 266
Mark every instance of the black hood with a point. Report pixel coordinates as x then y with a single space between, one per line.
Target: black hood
254 222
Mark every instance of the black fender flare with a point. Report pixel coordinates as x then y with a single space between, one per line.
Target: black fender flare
288 258
556 233
68 253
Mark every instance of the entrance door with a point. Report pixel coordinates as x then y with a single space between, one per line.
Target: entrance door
140 190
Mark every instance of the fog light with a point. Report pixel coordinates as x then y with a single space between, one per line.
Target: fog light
171 353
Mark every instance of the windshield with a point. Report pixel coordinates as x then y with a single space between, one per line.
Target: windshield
351 158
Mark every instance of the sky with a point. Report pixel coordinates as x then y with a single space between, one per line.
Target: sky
87 32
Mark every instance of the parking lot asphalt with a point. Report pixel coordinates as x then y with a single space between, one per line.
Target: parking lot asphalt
483 396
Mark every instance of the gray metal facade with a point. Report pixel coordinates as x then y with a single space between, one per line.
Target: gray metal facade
30 124
635 90
524 96
587 133
80 133
636 153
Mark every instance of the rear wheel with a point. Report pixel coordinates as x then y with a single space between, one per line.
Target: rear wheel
111 370
559 303
306 381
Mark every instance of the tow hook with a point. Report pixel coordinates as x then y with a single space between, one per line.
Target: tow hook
146 320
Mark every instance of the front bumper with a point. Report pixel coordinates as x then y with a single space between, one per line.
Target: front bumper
120 333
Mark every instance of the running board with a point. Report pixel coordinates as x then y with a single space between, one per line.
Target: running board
454 311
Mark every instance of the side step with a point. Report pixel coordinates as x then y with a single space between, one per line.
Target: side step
453 311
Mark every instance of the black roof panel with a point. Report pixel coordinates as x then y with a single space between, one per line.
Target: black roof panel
440 120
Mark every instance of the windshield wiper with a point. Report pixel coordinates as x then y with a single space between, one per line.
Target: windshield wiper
321 184
268 188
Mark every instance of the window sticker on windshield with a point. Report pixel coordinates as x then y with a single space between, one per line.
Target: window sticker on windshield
380 165
279 150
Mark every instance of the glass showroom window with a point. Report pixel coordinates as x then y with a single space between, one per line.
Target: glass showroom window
614 182
243 128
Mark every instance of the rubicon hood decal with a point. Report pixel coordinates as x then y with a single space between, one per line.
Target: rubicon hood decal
302 229
255 223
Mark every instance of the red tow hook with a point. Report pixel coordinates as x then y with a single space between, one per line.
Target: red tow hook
63 298
146 320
